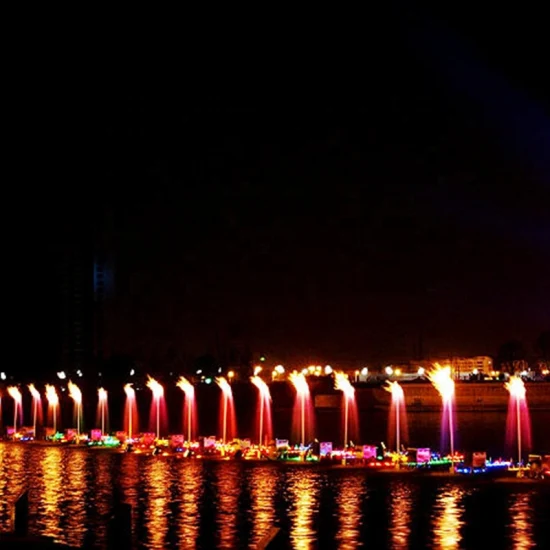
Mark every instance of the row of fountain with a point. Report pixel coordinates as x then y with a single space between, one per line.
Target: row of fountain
440 377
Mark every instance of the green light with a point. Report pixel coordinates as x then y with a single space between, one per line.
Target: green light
262 358
208 381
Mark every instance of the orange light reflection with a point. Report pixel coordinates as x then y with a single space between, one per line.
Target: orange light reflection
350 498
448 517
303 494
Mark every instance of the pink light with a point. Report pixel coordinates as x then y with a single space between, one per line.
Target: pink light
442 381
53 403
76 395
158 393
37 408
518 421
398 419
15 394
102 407
303 416
130 411
264 408
228 421
188 415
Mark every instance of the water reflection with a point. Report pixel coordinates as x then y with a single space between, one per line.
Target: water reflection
520 525
190 489
227 490
448 517
49 491
75 490
12 479
303 494
156 481
349 498
263 487
400 504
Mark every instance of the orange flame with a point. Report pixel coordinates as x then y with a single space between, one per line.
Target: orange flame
75 393
155 387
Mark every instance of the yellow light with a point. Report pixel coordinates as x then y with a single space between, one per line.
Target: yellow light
364 371
224 385
440 377
75 393
51 396
261 385
305 372
34 392
516 387
155 387
328 370
15 393
394 388
421 371
280 369
397 372
102 394
231 374
299 382
389 371
130 392
185 386
342 383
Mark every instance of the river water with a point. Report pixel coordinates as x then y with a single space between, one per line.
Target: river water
199 504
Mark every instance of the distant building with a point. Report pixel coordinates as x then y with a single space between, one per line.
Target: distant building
461 366
85 282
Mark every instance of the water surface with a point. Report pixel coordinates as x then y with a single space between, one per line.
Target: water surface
179 504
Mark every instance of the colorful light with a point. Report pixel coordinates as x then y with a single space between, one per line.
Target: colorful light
265 398
189 391
298 380
102 396
15 394
53 403
158 392
398 399
130 404
36 400
342 383
441 379
518 393
227 395
76 395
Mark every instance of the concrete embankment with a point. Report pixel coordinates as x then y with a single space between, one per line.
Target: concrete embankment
470 396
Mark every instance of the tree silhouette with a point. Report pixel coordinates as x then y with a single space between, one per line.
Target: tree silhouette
511 356
542 345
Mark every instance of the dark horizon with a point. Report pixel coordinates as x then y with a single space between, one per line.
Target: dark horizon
414 208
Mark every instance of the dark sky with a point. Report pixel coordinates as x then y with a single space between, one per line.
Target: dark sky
335 218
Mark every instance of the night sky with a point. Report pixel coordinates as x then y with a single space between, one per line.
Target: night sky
334 218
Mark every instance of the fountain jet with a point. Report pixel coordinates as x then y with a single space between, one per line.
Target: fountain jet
302 406
442 381
228 410
130 411
190 407
158 394
36 406
102 406
15 394
264 409
518 421
342 383
76 395
398 418
53 404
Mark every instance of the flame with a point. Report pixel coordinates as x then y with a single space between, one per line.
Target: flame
298 380
130 392
261 385
516 387
342 383
395 389
155 387
75 393
15 394
34 392
224 385
102 394
51 396
441 379
186 386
